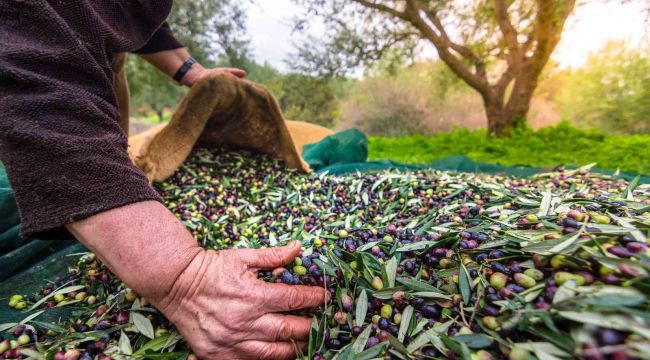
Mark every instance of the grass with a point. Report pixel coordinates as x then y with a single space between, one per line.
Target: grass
547 147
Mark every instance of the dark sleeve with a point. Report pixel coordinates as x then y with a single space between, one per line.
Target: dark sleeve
163 39
60 141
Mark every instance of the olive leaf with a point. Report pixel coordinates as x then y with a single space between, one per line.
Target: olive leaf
367 246
431 295
610 296
371 353
627 193
543 350
47 326
177 355
61 290
636 233
344 353
612 321
417 285
142 324
474 341
459 348
125 344
464 284
545 204
419 342
362 308
421 245
6 326
313 337
391 271
387 293
32 354
397 344
407 314
360 343
156 344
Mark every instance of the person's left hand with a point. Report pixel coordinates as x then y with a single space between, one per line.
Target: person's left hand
198 71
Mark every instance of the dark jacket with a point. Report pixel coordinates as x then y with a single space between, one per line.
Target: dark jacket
60 140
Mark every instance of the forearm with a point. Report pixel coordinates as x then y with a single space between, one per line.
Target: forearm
169 61
214 299
142 243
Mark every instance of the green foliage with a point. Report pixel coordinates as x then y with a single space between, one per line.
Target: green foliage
301 97
150 88
551 146
611 91
418 99
213 31
305 98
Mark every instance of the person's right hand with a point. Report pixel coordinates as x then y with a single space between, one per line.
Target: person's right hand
214 298
225 312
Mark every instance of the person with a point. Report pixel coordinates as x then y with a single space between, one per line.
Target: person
66 157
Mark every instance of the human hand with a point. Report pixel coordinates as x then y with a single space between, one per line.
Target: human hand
225 312
198 71
214 298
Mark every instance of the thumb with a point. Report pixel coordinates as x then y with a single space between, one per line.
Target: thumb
272 257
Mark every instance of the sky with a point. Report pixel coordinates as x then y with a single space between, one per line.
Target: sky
590 27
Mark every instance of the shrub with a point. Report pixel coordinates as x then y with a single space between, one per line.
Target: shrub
547 147
424 98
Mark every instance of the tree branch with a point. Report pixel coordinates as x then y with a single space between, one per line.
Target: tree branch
547 31
550 20
477 81
462 50
503 82
509 32
383 8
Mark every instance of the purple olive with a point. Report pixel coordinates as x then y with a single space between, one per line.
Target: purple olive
372 341
637 247
333 344
610 337
430 312
610 279
619 251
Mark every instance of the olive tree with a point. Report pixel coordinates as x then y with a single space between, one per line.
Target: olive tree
498 47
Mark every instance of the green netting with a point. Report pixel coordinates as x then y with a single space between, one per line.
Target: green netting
25 264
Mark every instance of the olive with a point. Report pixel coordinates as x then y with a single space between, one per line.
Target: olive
430 311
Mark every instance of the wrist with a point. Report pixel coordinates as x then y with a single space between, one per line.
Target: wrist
187 281
170 276
193 75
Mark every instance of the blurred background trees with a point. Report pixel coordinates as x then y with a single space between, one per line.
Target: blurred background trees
347 78
213 31
497 47
611 92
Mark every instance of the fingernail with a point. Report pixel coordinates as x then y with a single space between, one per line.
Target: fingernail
294 244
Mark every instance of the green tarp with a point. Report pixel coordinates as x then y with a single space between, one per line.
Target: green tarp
25 264
347 151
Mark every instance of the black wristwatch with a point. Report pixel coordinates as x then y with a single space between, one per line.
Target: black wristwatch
187 65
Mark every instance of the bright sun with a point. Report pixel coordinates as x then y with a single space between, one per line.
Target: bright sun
594 24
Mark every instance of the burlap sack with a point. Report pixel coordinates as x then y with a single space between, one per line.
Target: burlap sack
222 109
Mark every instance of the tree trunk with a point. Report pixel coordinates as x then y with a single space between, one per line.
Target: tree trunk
501 118
497 120
161 114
